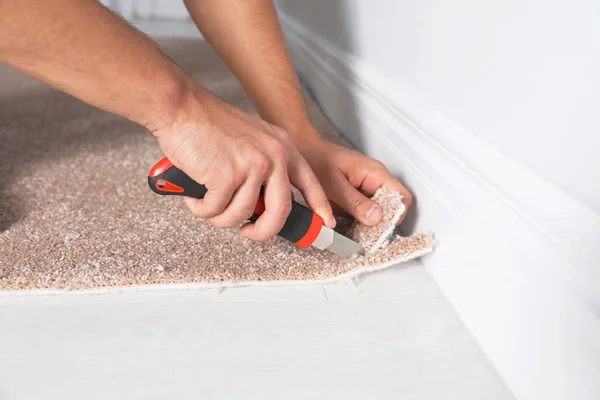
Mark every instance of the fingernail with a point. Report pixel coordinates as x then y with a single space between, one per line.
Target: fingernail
374 215
332 222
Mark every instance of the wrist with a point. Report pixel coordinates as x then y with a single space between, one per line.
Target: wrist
306 138
176 100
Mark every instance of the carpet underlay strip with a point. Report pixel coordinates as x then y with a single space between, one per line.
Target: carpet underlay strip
76 212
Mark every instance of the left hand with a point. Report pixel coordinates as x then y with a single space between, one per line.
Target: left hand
350 179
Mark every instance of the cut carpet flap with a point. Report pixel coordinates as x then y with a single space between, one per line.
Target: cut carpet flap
373 238
76 212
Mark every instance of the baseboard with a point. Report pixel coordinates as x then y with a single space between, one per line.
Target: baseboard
516 256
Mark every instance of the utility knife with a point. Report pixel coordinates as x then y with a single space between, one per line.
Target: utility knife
303 227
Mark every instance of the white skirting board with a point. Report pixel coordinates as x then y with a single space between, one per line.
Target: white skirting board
517 257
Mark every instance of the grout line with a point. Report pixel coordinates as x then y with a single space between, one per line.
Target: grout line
41 302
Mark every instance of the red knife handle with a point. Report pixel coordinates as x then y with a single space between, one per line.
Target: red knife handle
301 227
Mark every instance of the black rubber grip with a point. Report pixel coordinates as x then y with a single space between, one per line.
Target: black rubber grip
297 224
295 228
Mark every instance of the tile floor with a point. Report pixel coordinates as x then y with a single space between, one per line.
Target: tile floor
391 335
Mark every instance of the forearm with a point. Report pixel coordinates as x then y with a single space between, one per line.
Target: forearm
247 35
85 50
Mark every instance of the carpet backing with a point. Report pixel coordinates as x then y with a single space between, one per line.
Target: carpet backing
76 212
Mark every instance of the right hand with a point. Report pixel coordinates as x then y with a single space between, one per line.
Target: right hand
233 154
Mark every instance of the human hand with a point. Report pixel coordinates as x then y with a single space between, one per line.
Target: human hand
234 154
350 178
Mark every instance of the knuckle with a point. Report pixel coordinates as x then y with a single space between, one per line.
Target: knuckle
284 211
228 183
237 181
357 202
260 165
379 165
408 199
224 173
195 211
262 236
274 224
247 212
215 206
280 133
217 223
224 182
243 214
229 219
205 212
214 210
277 150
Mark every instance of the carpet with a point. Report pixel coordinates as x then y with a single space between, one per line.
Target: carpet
76 212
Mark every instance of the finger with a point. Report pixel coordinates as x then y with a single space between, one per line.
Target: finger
354 202
213 203
303 178
382 177
339 211
242 205
278 204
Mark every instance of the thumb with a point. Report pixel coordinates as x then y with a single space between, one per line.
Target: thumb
363 209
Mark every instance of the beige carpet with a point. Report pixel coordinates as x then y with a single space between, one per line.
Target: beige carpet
76 212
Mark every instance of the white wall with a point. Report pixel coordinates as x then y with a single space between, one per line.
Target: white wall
149 9
488 112
521 74
157 18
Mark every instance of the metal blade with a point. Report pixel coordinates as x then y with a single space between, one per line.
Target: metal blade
337 243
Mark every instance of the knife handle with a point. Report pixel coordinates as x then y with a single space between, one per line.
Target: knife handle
301 227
